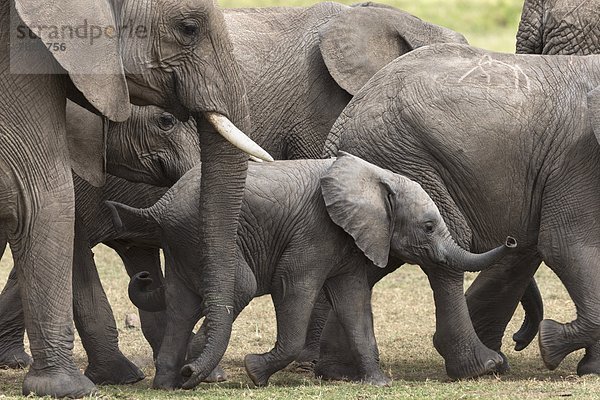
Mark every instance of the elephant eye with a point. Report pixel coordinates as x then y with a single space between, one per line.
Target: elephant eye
429 227
166 122
189 29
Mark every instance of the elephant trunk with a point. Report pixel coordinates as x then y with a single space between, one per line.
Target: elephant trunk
458 258
151 300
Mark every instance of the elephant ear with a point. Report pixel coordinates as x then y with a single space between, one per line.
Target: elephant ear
86 138
87 47
357 200
594 111
363 39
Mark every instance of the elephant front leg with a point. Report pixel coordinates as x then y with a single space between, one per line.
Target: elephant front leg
455 338
494 295
12 326
95 321
43 254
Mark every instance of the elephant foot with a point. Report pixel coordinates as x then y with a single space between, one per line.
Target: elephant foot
554 343
15 358
505 366
257 369
60 384
590 363
478 360
343 371
167 381
116 371
218 375
334 370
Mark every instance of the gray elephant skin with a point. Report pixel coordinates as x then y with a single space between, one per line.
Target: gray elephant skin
92 313
537 116
305 225
36 185
561 27
310 60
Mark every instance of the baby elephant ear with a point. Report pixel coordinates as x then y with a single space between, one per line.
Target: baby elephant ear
594 111
358 201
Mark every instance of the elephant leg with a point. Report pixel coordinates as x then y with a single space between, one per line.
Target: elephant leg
137 259
42 247
12 326
350 297
578 269
335 362
590 363
293 307
95 321
494 296
455 338
318 319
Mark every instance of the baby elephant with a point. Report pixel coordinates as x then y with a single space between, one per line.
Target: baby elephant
305 226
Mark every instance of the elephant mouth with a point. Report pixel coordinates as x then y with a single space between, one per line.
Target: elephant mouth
144 95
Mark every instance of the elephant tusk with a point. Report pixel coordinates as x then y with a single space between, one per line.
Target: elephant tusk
235 136
258 160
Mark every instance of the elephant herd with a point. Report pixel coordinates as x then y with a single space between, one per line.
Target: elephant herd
396 143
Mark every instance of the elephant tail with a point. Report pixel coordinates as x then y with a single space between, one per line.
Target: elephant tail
131 222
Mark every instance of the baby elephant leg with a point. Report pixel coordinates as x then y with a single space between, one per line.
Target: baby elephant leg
350 297
294 297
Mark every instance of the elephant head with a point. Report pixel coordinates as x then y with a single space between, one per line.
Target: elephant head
152 147
390 215
559 27
360 41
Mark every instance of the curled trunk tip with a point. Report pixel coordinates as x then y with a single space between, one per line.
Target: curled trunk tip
511 242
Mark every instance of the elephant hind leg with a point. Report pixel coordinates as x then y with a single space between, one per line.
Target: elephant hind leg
578 270
350 298
95 321
590 363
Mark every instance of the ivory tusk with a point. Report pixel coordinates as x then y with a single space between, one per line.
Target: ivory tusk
258 160
235 136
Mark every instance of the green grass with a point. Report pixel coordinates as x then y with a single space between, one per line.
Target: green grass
403 305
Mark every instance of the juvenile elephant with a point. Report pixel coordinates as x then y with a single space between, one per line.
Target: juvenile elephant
436 115
306 225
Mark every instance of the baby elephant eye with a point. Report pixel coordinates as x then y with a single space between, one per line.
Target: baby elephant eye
166 122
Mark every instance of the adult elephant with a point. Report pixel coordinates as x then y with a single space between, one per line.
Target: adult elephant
36 186
451 107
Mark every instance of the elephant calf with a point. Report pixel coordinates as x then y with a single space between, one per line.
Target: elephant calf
305 226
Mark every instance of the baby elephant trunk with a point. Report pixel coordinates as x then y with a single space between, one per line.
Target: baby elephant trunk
462 260
144 298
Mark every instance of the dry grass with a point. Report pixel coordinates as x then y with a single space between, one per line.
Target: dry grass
403 306
404 317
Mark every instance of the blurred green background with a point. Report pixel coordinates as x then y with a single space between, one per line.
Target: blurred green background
491 24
